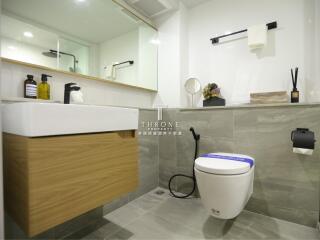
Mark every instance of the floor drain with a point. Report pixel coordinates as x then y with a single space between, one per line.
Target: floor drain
159 192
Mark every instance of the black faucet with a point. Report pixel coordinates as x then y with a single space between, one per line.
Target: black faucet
68 88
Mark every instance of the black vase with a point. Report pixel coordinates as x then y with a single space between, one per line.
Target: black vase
214 101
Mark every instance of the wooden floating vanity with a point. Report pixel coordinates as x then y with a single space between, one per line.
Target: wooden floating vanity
49 180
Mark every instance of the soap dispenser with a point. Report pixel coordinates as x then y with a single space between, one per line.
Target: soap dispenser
44 88
30 87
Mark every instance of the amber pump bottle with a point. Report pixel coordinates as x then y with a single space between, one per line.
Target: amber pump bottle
44 88
30 87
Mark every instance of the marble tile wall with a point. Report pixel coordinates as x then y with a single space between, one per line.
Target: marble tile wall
286 185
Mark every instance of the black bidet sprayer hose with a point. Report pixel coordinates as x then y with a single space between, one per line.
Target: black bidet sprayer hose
193 177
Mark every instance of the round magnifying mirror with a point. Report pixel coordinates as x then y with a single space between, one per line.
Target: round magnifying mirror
192 86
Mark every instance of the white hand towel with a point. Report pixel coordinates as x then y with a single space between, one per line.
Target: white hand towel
76 97
257 36
110 72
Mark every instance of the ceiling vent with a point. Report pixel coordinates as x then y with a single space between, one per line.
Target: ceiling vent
151 8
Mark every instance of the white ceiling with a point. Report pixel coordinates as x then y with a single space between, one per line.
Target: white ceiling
14 29
94 21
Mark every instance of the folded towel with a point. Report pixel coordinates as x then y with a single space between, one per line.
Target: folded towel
110 72
257 36
76 97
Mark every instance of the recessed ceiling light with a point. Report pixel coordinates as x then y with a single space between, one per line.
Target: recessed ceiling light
28 34
80 1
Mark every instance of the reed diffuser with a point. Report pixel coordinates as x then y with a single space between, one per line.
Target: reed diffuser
294 92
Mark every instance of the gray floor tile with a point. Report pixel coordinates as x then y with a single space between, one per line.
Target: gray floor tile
147 201
154 216
115 204
109 231
125 215
190 212
152 227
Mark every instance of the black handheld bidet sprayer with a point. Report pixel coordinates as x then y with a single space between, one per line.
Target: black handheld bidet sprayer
196 138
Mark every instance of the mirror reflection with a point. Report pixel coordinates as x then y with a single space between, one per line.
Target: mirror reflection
91 37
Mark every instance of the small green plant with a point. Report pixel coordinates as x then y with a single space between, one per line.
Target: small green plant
211 90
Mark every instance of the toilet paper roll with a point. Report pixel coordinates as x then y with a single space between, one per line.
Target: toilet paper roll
303 151
303 141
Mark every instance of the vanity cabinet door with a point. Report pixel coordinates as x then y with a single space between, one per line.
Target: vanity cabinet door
63 177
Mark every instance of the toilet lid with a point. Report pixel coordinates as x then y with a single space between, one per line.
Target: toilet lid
224 163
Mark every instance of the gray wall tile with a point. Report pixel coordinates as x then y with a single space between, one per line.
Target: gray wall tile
286 185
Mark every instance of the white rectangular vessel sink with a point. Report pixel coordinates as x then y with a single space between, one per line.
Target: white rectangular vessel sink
47 119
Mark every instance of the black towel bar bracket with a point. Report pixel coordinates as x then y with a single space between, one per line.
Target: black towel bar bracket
216 40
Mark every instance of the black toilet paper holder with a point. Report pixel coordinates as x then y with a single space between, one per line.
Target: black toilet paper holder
303 138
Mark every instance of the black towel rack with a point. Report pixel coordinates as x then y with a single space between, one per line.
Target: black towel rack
215 40
130 62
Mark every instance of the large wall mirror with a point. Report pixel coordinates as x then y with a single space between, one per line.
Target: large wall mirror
97 38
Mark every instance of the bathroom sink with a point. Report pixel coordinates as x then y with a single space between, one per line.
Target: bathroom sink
47 119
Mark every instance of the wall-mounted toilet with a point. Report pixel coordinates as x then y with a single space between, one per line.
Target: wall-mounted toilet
225 182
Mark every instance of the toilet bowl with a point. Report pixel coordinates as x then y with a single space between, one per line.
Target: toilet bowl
225 182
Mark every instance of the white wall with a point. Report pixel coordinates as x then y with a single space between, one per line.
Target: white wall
185 99
121 49
82 54
186 51
148 58
169 61
26 53
313 49
80 51
231 65
138 46
95 92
